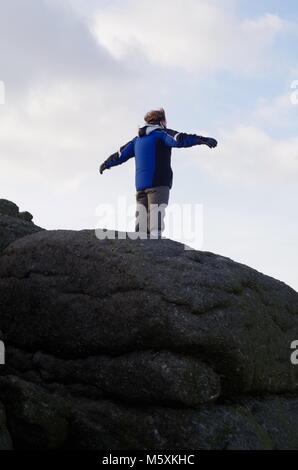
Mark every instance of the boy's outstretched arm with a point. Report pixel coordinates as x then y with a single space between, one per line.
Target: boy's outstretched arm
126 152
182 140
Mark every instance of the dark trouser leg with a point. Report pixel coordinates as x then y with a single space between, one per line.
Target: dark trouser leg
142 212
158 199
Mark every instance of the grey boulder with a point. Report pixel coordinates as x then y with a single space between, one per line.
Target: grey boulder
141 344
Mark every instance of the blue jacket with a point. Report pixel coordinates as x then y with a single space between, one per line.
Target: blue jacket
152 151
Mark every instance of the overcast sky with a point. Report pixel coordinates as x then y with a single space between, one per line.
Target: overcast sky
80 75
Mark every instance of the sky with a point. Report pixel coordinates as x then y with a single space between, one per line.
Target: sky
79 76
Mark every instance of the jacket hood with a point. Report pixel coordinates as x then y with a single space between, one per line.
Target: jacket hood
146 130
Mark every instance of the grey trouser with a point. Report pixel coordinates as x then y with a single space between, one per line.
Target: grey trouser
151 208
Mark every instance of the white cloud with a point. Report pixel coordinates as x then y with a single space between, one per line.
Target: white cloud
280 111
61 130
249 155
190 34
45 42
271 110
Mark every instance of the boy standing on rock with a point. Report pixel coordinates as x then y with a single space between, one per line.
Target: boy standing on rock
152 150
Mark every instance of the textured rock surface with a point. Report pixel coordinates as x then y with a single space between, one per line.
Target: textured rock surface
43 419
8 208
14 224
5 439
125 344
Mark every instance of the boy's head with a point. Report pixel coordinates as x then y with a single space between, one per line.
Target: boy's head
156 117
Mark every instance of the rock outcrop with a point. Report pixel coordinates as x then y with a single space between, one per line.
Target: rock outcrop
14 224
122 344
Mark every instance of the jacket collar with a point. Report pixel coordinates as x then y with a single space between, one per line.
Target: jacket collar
146 130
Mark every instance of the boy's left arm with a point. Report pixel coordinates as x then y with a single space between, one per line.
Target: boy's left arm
182 140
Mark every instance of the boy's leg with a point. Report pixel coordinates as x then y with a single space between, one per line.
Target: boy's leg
142 213
158 199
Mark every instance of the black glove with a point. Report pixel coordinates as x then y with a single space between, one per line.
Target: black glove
102 168
212 143
111 159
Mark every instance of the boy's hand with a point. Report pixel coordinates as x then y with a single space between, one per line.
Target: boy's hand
102 168
212 143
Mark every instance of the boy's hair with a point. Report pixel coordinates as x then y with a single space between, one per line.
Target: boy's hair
155 116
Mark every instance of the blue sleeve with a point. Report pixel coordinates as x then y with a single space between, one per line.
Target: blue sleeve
126 152
175 139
